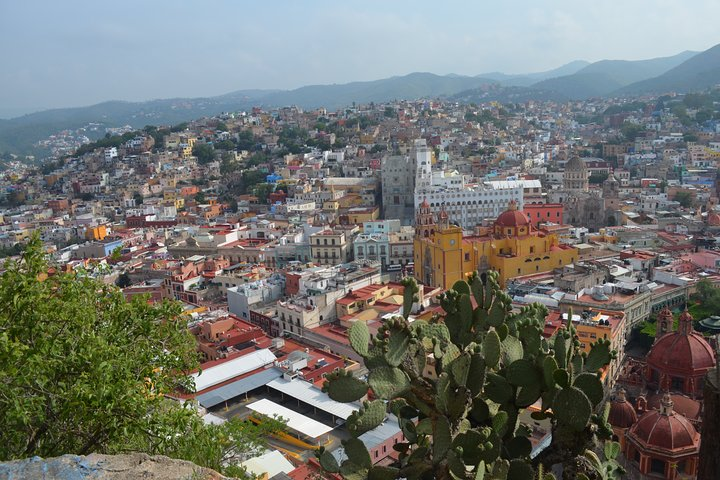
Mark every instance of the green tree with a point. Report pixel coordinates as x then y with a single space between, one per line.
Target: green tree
139 199
262 190
228 164
631 131
16 249
245 140
116 254
200 197
225 145
204 153
708 295
82 370
597 178
123 280
684 198
491 365
256 159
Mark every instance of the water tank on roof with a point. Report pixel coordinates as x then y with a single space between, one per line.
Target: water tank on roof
598 294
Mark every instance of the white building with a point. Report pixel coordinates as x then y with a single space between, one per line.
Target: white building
110 153
468 205
242 298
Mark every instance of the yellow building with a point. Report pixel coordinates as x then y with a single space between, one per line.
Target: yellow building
512 247
360 215
98 232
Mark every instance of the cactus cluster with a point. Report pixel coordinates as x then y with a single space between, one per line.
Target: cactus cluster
490 364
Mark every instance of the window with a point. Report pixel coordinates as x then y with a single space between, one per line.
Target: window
677 383
532 249
467 257
657 466
325 239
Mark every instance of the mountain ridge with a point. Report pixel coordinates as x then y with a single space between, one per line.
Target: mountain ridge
575 80
606 76
696 73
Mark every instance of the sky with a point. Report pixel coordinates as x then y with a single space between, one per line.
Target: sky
73 53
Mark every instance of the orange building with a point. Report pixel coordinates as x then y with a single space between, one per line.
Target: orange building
98 232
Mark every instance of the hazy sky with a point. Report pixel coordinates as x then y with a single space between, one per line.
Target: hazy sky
59 53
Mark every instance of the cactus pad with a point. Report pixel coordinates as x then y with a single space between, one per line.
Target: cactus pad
388 382
359 336
572 408
343 387
492 349
370 415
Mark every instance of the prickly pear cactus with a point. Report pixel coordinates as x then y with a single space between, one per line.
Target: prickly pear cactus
489 364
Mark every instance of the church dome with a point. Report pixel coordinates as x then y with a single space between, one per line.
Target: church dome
665 429
713 219
424 203
682 404
575 164
682 353
512 217
622 414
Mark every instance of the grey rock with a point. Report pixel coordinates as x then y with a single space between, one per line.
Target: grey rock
105 467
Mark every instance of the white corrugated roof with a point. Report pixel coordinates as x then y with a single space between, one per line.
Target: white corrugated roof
295 421
308 393
272 463
232 368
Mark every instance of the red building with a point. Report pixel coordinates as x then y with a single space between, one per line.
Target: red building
678 361
58 205
538 213
663 444
215 337
292 283
278 196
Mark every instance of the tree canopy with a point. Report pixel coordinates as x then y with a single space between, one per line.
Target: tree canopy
204 153
82 370
684 198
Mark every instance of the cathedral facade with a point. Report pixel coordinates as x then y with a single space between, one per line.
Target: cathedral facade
511 246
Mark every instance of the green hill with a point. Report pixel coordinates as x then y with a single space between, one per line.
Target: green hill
407 87
606 76
697 73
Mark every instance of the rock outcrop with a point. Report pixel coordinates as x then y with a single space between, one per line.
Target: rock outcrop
106 467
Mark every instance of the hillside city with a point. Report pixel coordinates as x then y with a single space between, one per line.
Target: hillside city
277 229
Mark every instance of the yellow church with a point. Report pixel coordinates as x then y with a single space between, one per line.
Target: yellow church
512 247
